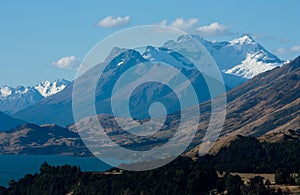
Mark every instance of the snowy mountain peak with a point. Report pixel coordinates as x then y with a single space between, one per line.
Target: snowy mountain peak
13 99
242 57
243 40
252 66
48 88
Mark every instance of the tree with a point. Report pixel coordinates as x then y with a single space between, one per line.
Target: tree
233 184
255 186
267 183
3 191
282 176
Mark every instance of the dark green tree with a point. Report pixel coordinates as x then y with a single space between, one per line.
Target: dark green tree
255 186
282 176
233 184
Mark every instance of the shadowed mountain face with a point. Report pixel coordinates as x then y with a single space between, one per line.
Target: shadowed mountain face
58 108
7 122
265 106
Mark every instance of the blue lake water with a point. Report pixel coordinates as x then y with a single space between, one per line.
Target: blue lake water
16 166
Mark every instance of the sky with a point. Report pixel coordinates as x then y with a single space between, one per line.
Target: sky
46 40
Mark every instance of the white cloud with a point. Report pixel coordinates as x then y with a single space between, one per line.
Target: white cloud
214 29
292 49
67 62
190 25
163 23
180 23
295 48
184 24
280 51
284 40
113 22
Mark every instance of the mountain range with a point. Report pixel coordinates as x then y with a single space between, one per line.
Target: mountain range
14 99
239 60
266 107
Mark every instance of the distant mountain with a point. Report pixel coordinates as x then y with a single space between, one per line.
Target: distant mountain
228 55
15 99
41 140
59 106
240 58
48 88
267 107
8 122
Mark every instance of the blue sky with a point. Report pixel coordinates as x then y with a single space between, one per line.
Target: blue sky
45 40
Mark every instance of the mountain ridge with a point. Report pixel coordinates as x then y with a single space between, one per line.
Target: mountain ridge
14 99
57 102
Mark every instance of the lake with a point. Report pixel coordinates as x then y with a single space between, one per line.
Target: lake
16 166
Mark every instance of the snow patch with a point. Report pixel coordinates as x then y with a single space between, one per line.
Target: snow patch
251 66
120 63
244 40
167 56
48 88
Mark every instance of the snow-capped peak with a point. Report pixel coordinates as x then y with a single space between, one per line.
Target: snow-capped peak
242 57
48 88
14 99
6 92
244 40
252 66
45 89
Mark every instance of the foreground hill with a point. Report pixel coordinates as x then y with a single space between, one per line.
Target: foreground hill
266 104
41 140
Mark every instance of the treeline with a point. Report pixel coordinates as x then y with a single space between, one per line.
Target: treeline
182 176
248 155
